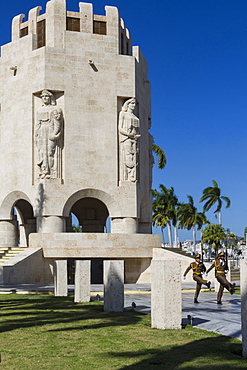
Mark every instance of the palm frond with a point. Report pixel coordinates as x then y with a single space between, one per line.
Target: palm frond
227 200
160 154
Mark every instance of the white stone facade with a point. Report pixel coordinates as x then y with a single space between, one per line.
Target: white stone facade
63 155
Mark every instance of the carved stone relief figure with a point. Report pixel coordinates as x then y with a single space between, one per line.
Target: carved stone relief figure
128 128
48 136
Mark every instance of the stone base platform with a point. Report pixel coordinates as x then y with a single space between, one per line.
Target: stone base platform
95 245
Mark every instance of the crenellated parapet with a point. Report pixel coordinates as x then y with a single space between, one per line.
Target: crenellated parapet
49 28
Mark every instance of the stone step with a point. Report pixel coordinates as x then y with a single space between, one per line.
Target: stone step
8 253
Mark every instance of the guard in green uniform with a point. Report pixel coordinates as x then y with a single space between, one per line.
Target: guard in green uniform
221 268
198 268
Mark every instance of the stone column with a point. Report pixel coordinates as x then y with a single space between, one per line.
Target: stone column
114 286
33 23
124 225
60 278
30 227
166 298
51 224
113 24
8 233
82 280
243 287
55 23
16 22
32 19
86 17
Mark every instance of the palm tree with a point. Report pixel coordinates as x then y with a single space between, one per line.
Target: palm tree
160 154
77 229
172 213
164 209
189 218
232 242
160 220
159 206
212 195
213 234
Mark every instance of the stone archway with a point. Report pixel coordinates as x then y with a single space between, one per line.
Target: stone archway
16 220
92 213
26 221
105 198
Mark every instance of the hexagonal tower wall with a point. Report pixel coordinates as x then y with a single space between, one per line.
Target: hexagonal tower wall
74 125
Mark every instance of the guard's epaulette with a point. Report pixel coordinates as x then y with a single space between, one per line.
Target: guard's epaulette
215 263
193 265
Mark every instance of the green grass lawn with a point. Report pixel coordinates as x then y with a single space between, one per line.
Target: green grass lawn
47 332
237 290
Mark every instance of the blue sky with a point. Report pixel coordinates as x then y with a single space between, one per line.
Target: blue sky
197 55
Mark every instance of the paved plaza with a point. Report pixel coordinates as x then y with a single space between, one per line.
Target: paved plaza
207 315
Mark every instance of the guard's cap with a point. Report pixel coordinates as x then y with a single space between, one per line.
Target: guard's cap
221 254
198 256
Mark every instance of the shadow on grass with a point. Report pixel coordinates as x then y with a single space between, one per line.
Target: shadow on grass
207 354
22 312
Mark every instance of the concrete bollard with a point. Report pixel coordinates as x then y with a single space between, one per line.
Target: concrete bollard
60 278
114 286
82 280
243 287
166 298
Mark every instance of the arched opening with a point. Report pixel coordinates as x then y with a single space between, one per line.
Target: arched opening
89 215
26 223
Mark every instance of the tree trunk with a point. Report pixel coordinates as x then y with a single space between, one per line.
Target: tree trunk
194 238
219 218
201 244
169 230
176 236
163 238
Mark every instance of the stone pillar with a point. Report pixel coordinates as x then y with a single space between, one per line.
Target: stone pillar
16 22
243 288
55 23
51 224
32 19
231 267
166 298
8 233
113 24
114 286
124 225
30 227
32 24
82 280
22 236
60 278
86 17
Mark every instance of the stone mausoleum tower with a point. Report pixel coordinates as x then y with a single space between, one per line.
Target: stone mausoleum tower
74 138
